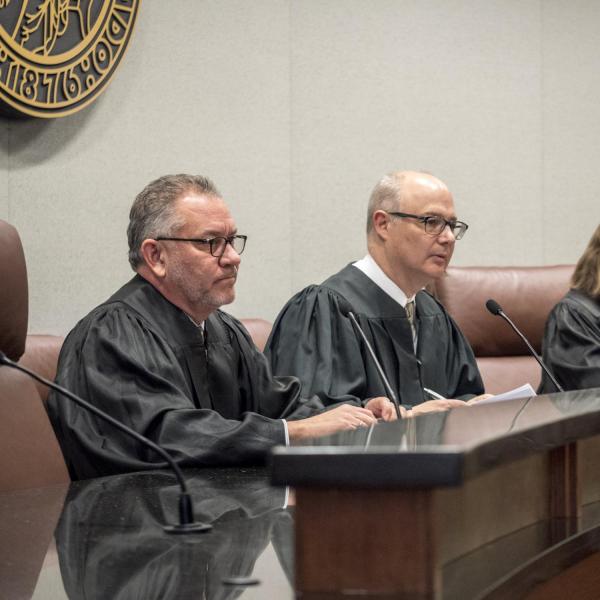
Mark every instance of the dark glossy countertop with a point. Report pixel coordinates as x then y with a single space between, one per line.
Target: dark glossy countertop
103 538
440 449
110 542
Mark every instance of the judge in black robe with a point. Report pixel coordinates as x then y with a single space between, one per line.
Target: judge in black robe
411 232
207 400
161 358
571 345
312 339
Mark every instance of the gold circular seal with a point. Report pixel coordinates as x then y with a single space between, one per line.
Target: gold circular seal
57 56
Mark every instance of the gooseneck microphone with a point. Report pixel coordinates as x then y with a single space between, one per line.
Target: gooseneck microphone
186 510
346 310
496 309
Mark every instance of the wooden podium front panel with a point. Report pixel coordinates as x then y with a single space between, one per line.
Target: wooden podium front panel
378 516
391 541
376 540
491 505
589 469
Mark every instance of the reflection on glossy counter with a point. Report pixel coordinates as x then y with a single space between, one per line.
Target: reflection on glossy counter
468 426
110 542
443 448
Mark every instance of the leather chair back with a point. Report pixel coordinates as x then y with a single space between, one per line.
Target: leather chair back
30 456
259 330
29 452
13 293
526 294
41 356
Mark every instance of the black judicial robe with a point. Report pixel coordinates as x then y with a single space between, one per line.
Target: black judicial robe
312 340
142 360
571 345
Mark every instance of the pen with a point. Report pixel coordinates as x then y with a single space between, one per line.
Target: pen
433 394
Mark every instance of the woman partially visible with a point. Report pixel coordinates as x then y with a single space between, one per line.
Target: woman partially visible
571 346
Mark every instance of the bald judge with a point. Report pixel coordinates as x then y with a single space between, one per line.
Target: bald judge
411 231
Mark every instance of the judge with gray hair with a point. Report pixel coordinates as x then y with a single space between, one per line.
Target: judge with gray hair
161 357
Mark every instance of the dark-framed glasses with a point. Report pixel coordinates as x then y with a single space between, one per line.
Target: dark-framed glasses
434 224
217 245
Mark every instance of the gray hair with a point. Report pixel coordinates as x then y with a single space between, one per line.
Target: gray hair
154 214
385 196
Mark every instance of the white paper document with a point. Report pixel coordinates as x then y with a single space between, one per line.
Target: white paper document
525 391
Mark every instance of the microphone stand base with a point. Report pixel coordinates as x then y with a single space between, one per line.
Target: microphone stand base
188 528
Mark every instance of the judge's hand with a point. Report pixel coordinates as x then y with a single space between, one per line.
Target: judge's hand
478 398
382 408
436 406
343 417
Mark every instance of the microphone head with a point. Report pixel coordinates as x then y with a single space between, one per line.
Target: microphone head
493 307
344 306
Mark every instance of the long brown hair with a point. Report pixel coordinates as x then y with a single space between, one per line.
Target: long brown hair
586 277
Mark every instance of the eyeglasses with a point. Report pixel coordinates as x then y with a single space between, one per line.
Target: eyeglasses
217 245
434 224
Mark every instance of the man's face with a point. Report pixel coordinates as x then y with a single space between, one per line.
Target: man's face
416 255
202 281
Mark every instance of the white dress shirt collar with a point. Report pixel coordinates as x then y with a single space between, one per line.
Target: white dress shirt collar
374 272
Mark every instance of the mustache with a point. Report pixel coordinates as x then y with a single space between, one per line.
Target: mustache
231 272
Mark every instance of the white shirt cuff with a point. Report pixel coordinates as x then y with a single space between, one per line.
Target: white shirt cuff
287 434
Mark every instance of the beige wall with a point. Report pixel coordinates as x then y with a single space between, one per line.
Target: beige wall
295 108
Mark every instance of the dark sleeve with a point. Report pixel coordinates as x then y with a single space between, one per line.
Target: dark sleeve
571 349
464 379
313 341
119 364
276 396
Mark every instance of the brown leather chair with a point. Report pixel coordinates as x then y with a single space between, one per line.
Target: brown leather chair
526 294
30 454
259 330
41 356
14 293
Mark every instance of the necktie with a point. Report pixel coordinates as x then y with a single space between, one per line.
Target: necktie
410 313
